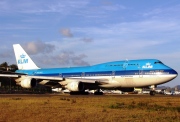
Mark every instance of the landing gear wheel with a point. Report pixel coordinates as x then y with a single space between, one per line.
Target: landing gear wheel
152 93
98 92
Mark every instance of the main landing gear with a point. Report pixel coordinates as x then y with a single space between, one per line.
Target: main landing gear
152 92
98 92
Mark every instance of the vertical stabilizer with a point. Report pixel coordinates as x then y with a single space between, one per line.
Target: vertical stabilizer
22 58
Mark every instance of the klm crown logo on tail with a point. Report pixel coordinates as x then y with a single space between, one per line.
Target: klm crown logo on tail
23 59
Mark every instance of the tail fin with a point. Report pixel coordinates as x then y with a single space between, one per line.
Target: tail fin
22 58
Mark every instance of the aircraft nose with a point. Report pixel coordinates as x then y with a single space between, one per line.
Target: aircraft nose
175 73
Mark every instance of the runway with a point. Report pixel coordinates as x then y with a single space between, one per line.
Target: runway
90 95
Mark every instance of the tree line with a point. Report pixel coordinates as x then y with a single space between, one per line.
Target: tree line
5 67
8 85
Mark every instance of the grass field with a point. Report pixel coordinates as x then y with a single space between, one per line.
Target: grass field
106 108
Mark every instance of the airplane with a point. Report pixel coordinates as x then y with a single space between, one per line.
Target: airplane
122 75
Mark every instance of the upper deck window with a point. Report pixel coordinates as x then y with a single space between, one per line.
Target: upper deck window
114 65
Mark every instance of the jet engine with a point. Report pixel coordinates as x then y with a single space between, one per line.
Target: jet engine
28 83
75 86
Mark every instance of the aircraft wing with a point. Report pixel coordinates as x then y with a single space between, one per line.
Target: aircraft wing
17 75
92 80
52 81
43 80
9 75
59 79
46 78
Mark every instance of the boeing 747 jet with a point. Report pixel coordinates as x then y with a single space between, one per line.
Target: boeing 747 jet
123 75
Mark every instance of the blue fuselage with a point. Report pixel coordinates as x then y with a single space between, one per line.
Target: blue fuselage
117 68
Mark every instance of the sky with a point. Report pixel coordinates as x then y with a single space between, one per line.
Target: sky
64 33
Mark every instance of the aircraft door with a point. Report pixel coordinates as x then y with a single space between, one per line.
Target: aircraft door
140 71
82 75
113 75
125 64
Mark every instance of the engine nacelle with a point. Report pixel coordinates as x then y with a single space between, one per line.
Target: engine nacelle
75 86
28 83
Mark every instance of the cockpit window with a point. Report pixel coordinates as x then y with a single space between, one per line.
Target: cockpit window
158 62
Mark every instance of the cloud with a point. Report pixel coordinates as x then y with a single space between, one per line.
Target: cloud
87 40
161 12
66 32
78 60
3 5
6 51
38 47
147 29
100 11
6 54
64 58
40 6
70 58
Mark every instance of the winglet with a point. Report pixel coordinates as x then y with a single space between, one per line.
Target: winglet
22 58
